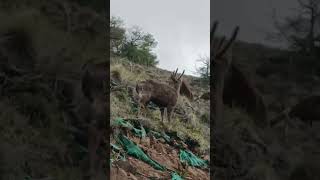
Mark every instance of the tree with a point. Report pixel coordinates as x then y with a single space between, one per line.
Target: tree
138 47
134 44
302 31
117 35
204 69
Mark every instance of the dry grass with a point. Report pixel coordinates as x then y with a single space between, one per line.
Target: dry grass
121 104
128 76
24 139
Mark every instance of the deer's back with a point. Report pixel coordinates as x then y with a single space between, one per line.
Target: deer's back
160 93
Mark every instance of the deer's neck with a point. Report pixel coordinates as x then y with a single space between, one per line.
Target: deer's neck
177 87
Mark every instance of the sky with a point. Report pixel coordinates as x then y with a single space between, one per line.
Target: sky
181 28
254 18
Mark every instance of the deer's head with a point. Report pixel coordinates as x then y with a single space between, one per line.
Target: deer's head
218 50
176 80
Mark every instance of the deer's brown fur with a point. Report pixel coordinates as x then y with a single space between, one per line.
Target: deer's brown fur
185 88
231 85
240 91
221 62
161 94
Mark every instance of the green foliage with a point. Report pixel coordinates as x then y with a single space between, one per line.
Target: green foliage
138 47
117 34
134 44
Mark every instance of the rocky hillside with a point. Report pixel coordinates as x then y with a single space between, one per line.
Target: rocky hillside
188 129
289 148
41 54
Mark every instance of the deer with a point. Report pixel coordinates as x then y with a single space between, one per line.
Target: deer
85 104
163 95
93 112
185 88
232 87
221 64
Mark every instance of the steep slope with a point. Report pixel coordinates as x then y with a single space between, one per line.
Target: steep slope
189 125
287 150
40 68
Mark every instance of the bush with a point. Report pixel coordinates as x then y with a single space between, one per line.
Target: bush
133 44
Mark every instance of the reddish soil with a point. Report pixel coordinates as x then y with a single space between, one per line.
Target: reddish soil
162 153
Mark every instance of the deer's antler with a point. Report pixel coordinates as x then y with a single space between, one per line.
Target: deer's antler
212 32
221 42
213 29
181 75
174 73
231 40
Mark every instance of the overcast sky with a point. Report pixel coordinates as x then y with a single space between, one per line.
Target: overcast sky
253 16
181 28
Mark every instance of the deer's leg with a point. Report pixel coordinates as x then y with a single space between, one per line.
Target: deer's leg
144 109
162 112
169 113
151 142
138 109
137 114
141 108
140 103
